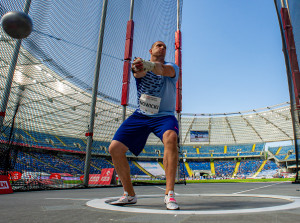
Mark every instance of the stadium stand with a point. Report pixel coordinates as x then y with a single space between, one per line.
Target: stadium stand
248 168
269 170
283 152
135 170
224 169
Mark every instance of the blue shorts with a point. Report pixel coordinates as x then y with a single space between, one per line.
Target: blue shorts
135 130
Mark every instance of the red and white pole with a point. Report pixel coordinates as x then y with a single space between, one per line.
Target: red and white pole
179 82
178 63
291 48
127 60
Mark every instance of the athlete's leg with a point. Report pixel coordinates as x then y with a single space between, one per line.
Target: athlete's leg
118 153
170 158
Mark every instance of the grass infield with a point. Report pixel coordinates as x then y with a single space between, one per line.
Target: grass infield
218 181
137 182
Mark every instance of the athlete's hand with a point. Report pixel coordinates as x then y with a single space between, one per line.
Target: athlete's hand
137 65
138 68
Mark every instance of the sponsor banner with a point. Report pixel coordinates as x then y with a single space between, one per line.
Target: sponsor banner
107 176
56 176
5 187
14 175
199 136
64 174
82 178
94 179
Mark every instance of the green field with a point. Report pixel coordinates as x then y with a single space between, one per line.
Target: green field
136 182
218 181
241 180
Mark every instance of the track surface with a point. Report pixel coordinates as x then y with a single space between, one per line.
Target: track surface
213 202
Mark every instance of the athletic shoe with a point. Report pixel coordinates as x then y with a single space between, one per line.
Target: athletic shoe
125 199
170 201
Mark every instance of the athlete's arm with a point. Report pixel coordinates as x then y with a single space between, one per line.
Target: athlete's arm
164 70
140 67
139 74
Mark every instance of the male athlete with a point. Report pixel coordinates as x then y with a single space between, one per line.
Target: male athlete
156 91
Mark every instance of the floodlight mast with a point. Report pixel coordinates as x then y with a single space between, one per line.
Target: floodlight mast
89 134
11 71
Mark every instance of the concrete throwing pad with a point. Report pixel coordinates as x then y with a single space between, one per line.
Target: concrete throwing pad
204 204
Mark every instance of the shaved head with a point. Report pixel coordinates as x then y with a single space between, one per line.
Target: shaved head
156 43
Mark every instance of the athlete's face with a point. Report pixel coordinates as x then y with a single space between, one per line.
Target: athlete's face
158 49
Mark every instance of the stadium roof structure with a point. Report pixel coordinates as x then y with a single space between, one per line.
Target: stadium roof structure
51 104
267 124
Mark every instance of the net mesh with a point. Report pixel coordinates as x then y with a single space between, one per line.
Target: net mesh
49 104
292 67
53 80
294 6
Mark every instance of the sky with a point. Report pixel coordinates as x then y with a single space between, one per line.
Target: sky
232 57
